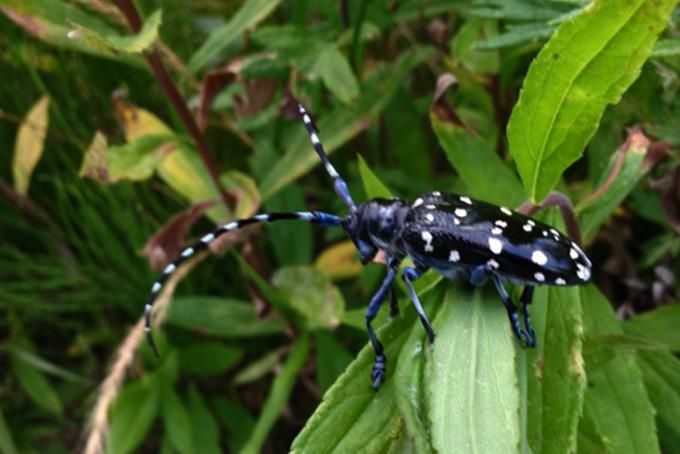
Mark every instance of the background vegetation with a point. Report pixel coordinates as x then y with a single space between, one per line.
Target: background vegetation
106 175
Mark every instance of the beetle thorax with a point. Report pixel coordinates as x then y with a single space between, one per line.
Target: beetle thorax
384 220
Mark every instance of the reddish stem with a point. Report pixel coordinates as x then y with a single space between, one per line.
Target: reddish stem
165 81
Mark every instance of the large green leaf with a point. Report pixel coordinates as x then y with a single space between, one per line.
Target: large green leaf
340 125
470 378
176 420
245 19
616 397
337 75
587 64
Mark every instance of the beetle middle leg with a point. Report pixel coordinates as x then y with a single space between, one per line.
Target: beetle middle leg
525 299
411 274
520 334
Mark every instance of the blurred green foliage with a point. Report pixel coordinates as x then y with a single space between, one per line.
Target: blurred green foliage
258 352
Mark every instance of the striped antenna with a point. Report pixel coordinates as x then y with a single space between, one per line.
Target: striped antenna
315 217
338 183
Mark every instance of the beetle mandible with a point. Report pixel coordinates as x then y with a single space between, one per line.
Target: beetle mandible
453 234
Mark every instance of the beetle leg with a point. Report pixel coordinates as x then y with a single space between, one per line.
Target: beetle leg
378 371
525 299
510 307
410 274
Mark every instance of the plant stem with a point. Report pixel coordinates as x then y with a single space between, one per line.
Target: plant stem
165 81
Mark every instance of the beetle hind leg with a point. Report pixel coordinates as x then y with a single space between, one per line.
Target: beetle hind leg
378 371
410 274
525 299
525 336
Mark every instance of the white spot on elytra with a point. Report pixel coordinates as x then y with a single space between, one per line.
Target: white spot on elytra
583 272
429 217
454 256
418 202
531 222
156 287
545 233
506 211
573 254
495 245
527 227
437 194
560 281
169 269
431 207
539 277
461 212
427 238
539 258
465 200
187 252
554 232
496 231
492 264
501 224
208 238
456 221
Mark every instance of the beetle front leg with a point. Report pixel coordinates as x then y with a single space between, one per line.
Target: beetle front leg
410 274
378 371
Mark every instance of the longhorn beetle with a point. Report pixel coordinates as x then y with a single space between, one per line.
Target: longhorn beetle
455 235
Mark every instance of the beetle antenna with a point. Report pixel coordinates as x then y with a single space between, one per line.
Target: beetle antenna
314 217
338 183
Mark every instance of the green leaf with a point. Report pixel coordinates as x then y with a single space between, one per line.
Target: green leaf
660 325
278 395
208 358
669 47
564 93
50 21
472 369
552 375
616 397
352 417
177 421
478 164
340 125
7 445
29 144
36 385
136 160
132 414
258 368
204 428
222 317
246 18
292 241
631 165
43 365
311 294
661 374
114 44
336 73
372 184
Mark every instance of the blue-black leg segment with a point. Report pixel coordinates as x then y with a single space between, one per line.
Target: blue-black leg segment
525 299
378 371
394 304
511 309
479 275
410 274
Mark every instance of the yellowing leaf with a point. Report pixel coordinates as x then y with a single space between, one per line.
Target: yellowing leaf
339 260
94 162
29 144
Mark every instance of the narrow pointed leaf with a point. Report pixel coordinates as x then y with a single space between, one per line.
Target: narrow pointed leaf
372 184
564 93
29 144
115 44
